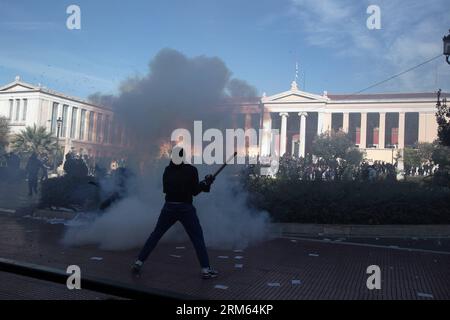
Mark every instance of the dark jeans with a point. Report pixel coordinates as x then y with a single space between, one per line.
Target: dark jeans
186 214
32 185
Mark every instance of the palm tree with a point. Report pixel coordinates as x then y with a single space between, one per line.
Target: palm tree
34 139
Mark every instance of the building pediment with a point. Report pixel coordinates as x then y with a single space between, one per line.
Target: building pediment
294 96
17 86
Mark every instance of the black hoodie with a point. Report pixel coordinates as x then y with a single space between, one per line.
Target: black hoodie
181 183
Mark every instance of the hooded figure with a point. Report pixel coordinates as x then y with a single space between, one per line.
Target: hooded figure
180 184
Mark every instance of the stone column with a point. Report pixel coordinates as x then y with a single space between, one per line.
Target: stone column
94 128
247 126
327 121
69 122
86 126
320 123
67 139
60 111
346 122
283 133
382 131
248 121
422 127
401 130
363 131
77 125
302 137
266 134
90 126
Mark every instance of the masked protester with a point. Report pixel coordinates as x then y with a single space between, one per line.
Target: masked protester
180 184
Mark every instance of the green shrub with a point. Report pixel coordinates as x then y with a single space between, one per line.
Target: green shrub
342 202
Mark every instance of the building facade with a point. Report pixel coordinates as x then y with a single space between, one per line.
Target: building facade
379 124
84 128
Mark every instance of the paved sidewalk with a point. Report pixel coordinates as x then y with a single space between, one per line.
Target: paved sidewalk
276 269
14 196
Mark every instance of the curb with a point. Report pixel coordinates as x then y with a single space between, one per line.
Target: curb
361 231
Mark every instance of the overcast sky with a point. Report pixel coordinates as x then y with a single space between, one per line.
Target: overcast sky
260 41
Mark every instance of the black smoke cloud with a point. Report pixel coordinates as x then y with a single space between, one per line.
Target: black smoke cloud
176 91
241 89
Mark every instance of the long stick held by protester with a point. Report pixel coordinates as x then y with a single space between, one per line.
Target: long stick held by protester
224 165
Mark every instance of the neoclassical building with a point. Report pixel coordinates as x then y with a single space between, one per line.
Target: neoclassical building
380 124
85 128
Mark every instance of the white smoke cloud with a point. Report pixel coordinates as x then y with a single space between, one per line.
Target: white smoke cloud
226 220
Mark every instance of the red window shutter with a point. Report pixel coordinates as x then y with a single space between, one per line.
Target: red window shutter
376 135
394 136
358 135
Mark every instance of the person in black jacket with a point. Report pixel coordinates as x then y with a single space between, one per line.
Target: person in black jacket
180 184
32 171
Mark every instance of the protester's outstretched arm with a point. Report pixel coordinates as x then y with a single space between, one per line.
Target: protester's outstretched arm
204 185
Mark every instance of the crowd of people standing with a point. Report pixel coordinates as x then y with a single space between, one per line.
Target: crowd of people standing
425 170
319 170
35 168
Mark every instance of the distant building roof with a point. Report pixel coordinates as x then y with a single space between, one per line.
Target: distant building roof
352 97
386 96
38 88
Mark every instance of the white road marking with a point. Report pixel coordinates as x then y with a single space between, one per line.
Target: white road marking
296 282
274 284
221 287
97 258
238 266
175 256
3 210
425 295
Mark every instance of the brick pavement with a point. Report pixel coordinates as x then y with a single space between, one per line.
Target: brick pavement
325 270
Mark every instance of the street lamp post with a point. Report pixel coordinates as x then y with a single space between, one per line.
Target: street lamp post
447 47
59 124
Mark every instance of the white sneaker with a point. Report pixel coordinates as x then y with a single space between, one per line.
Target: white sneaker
209 273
